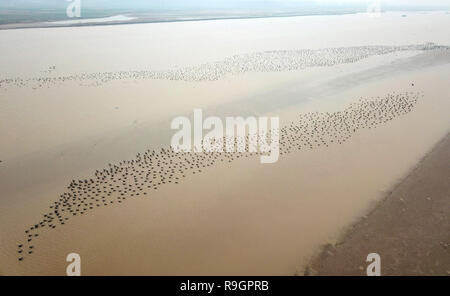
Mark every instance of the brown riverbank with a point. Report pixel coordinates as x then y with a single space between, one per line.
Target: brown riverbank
409 229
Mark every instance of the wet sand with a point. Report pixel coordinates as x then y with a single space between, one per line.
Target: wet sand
409 229
84 138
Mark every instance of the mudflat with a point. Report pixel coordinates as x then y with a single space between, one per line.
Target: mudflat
409 229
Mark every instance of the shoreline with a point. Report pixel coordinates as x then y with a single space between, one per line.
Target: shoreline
391 229
145 20
137 21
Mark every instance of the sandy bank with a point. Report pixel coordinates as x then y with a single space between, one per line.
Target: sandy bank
408 229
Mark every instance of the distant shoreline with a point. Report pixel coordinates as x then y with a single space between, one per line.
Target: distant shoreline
139 20
172 19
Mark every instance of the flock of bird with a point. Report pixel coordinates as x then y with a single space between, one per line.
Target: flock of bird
269 61
152 169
